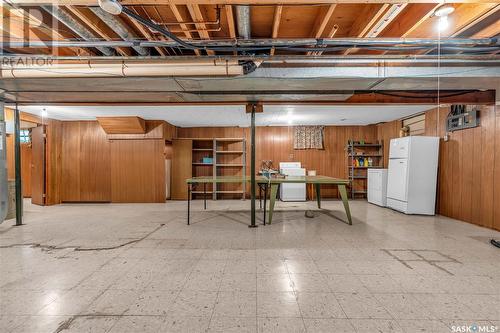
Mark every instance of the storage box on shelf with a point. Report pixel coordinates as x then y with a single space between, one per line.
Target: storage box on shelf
361 157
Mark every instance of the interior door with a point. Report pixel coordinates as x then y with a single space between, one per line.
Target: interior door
38 165
397 179
182 168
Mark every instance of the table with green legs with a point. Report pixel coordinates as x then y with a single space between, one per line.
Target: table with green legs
273 184
317 181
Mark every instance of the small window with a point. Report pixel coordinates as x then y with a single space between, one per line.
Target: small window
24 136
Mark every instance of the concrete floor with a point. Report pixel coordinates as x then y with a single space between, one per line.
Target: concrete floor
140 268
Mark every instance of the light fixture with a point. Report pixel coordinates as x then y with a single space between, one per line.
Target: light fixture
44 113
442 13
111 6
444 10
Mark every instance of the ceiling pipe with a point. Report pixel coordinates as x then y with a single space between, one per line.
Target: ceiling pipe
243 21
117 25
78 28
124 69
344 42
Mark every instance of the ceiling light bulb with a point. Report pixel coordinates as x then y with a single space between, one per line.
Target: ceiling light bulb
110 6
444 10
443 23
44 113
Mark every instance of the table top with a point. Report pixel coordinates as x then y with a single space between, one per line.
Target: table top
263 180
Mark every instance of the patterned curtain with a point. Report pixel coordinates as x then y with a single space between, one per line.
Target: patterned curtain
308 137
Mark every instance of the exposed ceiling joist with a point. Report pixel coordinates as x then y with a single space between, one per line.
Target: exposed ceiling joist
22 15
96 25
238 2
322 22
278 10
184 27
75 26
147 34
196 15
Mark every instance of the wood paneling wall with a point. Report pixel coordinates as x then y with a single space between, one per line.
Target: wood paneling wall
276 144
54 131
469 166
138 171
386 132
86 168
95 169
26 169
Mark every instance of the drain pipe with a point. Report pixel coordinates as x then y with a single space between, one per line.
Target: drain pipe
117 25
243 21
76 27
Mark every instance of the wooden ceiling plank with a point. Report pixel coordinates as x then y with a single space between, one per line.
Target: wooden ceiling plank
179 18
197 16
278 10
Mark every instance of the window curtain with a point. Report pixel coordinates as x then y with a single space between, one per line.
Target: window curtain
308 137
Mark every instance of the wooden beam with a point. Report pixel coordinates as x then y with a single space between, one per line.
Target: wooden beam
237 2
147 34
321 23
96 25
230 21
330 34
197 16
34 22
278 10
179 18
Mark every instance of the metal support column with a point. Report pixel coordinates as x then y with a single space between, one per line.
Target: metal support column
4 193
19 188
252 168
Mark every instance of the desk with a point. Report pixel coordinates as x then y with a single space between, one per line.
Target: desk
273 184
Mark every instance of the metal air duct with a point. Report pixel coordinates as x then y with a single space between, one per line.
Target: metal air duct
243 21
115 23
76 27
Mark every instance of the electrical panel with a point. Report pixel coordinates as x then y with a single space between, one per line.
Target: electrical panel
462 117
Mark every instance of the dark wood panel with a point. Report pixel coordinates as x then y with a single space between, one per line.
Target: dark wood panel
38 170
70 189
181 168
53 172
26 169
137 171
95 166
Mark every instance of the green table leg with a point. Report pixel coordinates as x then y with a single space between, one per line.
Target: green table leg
272 200
318 194
343 195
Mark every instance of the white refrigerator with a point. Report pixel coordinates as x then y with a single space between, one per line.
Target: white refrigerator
292 191
412 174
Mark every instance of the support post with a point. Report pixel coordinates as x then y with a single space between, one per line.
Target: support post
17 149
4 196
252 168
